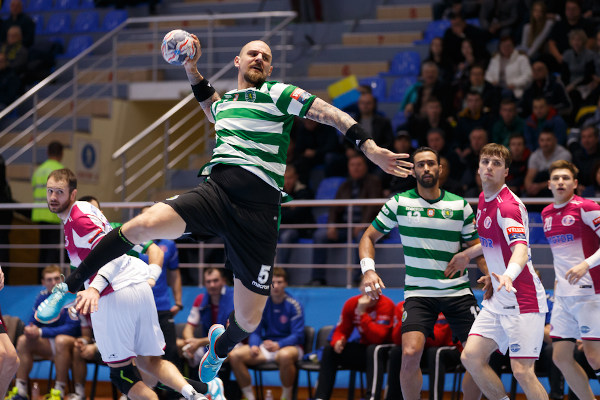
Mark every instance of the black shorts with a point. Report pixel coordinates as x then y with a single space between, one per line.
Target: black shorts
243 210
420 314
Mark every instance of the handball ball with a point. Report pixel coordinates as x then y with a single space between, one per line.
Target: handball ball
177 45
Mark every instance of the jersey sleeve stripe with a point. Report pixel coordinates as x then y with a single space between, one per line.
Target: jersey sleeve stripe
380 226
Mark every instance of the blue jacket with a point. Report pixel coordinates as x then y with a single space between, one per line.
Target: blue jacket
282 323
64 325
225 308
161 291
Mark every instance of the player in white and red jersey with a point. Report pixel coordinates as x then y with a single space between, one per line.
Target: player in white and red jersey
124 317
572 226
513 317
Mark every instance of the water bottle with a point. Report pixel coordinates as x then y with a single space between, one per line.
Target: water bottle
269 395
35 391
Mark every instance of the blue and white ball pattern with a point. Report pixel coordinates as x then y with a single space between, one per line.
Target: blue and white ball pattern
177 46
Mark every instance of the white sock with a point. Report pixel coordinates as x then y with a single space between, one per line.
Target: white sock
286 392
505 398
80 390
21 387
248 392
188 391
60 386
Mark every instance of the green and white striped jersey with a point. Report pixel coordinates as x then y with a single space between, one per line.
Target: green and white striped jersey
253 128
431 233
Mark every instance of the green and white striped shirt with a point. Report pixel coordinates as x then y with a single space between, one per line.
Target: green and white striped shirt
253 128
431 233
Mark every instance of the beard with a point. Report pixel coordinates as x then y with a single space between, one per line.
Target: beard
58 208
255 78
428 184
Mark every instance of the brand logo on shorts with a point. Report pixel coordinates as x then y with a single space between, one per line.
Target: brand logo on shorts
514 348
585 329
447 213
112 356
404 315
430 212
568 220
173 197
487 222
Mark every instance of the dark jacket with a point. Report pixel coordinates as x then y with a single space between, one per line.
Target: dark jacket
552 90
370 188
383 134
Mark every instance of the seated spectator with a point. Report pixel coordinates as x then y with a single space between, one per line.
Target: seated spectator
428 86
294 215
48 341
544 117
515 180
18 18
14 51
373 319
470 161
461 72
509 69
278 338
509 123
593 190
536 31
10 84
578 69
446 181
536 180
211 307
558 41
359 185
419 126
471 117
456 33
593 119
378 126
586 154
545 85
396 184
316 144
499 18
436 55
436 140
490 94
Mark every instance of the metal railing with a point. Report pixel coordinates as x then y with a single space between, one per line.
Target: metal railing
94 73
344 261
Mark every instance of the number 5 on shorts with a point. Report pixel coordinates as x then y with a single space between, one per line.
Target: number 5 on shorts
263 275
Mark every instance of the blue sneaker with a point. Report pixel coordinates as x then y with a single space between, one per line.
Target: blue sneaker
216 390
49 310
211 363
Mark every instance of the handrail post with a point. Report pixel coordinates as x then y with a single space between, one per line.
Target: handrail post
34 132
155 39
211 47
349 237
114 66
124 177
166 149
283 54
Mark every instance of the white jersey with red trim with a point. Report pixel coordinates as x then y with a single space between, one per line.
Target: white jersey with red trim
573 230
502 222
84 226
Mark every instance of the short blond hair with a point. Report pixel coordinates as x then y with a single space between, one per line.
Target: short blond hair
564 164
50 269
495 149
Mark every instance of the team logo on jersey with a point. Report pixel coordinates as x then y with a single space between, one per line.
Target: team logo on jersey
514 348
404 315
447 213
283 319
487 222
430 212
250 96
300 95
596 222
568 220
515 233
585 329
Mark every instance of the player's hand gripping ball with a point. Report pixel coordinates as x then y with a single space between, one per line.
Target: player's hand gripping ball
177 46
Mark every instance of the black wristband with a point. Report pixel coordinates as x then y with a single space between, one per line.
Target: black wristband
202 90
357 135
180 306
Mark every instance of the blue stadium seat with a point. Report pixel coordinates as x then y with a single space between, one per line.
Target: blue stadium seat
398 120
113 19
59 23
399 88
329 187
474 22
87 21
38 5
434 29
536 233
78 44
5 7
377 85
67 4
87 4
39 23
406 63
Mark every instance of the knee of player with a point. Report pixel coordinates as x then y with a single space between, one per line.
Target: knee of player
125 377
593 356
522 372
470 358
22 344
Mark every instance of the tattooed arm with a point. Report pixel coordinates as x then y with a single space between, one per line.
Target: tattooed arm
327 114
191 69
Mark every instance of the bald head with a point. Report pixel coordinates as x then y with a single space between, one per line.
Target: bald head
254 64
255 44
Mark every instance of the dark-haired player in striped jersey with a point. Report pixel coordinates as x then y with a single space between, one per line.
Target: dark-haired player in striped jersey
240 200
572 226
433 224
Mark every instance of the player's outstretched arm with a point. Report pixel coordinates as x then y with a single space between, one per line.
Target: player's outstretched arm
204 93
392 163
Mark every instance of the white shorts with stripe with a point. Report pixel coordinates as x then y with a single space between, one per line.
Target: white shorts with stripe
576 317
126 324
523 334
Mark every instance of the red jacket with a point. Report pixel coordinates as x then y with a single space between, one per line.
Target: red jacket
442 334
375 325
